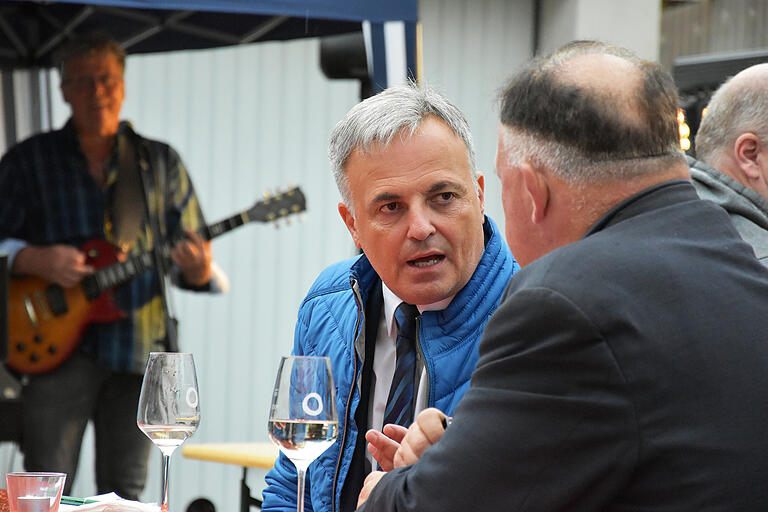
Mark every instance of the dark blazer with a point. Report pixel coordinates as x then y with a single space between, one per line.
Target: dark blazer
627 372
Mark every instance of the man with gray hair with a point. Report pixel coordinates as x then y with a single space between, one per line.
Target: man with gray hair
400 323
625 368
732 148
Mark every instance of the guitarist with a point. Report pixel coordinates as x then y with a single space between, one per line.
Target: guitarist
61 189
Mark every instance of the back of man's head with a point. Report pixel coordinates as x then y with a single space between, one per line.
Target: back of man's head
592 113
738 106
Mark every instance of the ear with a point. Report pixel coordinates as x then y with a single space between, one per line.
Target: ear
65 94
481 191
536 190
349 221
747 150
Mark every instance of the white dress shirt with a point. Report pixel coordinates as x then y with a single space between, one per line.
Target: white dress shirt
384 361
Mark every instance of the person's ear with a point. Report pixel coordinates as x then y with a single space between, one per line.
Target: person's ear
481 191
747 150
65 94
536 190
349 221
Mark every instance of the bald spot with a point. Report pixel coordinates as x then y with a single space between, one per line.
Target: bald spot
754 77
614 81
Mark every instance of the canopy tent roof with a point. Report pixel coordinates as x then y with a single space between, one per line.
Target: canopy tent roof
31 30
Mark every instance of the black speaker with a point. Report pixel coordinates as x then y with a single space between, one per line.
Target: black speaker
344 56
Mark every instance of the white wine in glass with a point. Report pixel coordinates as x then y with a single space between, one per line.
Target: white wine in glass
302 421
169 406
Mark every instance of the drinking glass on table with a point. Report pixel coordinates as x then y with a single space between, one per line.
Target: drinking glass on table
169 409
302 421
34 491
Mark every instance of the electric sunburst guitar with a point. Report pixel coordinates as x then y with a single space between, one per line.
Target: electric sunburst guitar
46 321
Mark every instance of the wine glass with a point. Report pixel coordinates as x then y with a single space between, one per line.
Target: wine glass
302 421
169 408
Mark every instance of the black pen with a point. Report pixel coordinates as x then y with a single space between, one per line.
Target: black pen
447 420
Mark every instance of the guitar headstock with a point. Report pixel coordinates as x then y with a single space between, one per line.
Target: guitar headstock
278 206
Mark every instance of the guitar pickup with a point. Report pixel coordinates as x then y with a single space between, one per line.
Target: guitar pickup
56 299
90 286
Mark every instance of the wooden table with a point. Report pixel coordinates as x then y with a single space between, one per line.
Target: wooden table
247 455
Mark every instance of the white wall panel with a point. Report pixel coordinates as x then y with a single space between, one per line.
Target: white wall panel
633 24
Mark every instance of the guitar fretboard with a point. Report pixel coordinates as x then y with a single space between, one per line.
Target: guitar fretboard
276 207
116 274
228 224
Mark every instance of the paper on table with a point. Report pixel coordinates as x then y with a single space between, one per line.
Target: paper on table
111 503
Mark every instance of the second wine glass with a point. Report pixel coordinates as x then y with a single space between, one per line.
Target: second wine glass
303 422
169 407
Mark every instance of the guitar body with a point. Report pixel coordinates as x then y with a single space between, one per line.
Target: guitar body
46 321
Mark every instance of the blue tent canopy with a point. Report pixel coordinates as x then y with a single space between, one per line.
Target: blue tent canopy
31 30
355 10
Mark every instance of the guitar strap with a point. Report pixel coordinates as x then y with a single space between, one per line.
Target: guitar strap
128 193
148 180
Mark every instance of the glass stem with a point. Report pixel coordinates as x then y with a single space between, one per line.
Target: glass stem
301 471
164 490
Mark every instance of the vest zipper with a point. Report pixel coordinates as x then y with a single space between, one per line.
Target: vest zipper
360 314
420 352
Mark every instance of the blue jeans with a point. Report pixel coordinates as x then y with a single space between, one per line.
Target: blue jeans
56 408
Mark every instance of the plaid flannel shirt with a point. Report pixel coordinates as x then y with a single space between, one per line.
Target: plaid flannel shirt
48 196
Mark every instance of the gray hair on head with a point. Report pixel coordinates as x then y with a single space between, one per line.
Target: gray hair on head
738 106
378 119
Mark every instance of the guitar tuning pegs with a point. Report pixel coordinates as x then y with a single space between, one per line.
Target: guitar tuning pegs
267 196
283 212
287 221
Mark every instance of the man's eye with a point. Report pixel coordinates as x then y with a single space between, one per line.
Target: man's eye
447 196
389 207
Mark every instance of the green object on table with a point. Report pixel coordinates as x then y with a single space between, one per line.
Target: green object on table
69 500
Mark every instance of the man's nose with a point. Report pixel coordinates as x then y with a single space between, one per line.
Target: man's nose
420 225
98 87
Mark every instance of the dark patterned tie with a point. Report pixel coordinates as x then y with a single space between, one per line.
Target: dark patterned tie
400 402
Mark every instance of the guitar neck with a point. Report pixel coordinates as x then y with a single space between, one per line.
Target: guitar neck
279 206
124 271
211 231
117 273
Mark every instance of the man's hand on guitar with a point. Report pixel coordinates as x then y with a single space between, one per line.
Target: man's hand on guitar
62 264
193 256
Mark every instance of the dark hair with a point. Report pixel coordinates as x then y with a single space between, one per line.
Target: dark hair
539 102
94 43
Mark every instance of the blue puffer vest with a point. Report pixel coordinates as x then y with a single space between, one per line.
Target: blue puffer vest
332 321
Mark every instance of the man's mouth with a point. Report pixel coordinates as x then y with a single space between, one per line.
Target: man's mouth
426 261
